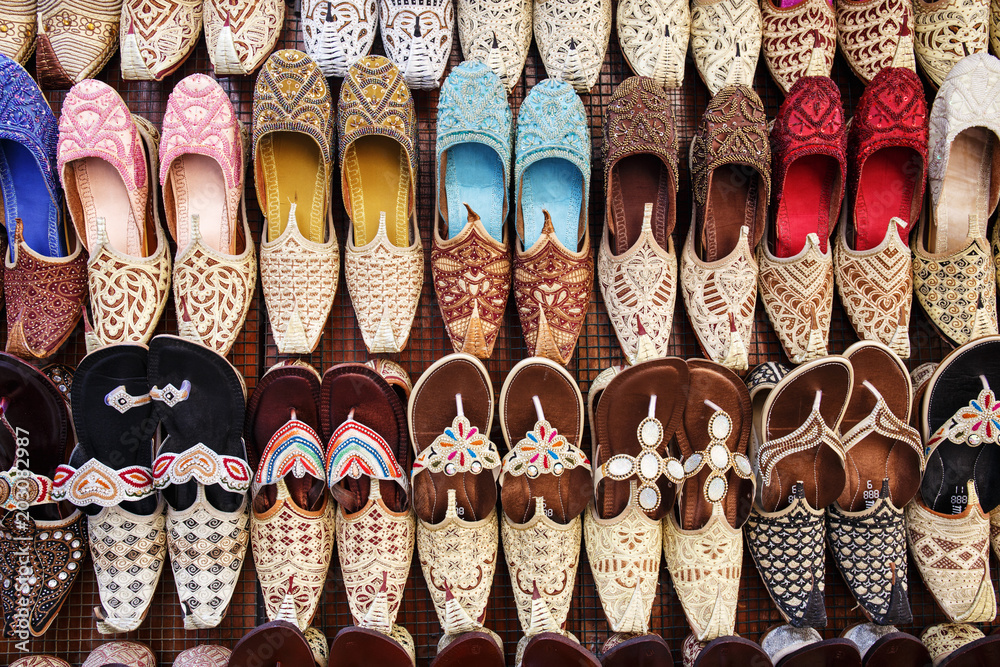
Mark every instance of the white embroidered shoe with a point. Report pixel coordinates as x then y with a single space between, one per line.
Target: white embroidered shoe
572 36
417 37
654 38
338 35
725 40
498 33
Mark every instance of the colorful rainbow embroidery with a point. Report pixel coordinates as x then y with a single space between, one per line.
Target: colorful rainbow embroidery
357 450
294 449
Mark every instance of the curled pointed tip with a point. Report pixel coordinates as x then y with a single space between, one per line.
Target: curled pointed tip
416 29
473 216
732 323
535 595
495 43
185 315
641 330
547 228
904 27
572 44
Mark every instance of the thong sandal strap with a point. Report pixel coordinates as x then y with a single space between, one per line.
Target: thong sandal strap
719 459
294 449
812 433
647 467
881 420
357 450
94 483
20 489
542 451
461 448
206 466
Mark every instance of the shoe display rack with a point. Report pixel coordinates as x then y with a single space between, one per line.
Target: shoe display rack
74 635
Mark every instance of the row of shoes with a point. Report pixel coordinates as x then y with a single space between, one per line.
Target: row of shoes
136 654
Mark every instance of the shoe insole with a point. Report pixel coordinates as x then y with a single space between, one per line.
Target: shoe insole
378 177
294 161
27 197
205 197
554 185
474 176
732 203
635 181
885 191
102 194
964 193
805 204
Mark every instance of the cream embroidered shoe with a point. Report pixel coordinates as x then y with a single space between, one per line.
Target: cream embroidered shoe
947 31
874 35
241 35
654 38
799 40
293 165
731 176
338 35
725 41
17 35
572 37
157 36
498 33
417 38
953 273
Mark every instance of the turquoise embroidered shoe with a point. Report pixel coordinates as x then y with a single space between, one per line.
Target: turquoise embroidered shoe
553 266
470 259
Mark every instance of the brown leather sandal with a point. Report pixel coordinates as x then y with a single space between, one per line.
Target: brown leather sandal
885 645
367 464
545 486
729 651
454 479
273 644
789 646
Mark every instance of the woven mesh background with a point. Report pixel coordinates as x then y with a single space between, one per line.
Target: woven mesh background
73 634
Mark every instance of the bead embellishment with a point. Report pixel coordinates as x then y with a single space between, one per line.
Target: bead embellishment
461 448
203 464
973 425
542 451
170 394
719 459
122 401
22 488
96 483
357 450
648 466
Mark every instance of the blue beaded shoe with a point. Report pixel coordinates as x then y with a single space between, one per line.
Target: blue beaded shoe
470 259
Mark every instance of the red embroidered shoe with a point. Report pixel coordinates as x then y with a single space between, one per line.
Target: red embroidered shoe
809 145
887 146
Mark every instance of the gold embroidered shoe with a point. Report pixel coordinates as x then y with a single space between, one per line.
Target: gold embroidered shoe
731 177
454 479
108 166
725 41
76 38
798 460
292 521
18 28
947 31
887 158
157 37
636 263
498 33
809 144
703 539
293 163
636 473
653 35
572 38
947 523
953 275
470 257
201 170
553 265
960 645
384 261
545 487
368 457
239 34
799 40
875 35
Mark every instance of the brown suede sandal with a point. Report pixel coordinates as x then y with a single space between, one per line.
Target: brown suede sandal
789 646
729 651
885 645
273 644
454 496
545 486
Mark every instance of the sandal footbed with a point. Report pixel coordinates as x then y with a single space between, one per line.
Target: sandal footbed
118 440
472 648
359 647
272 644
620 408
732 652
279 392
213 413
878 457
898 649
379 407
827 653
550 649
786 408
431 410
647 650
949 467
715 383
568 494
